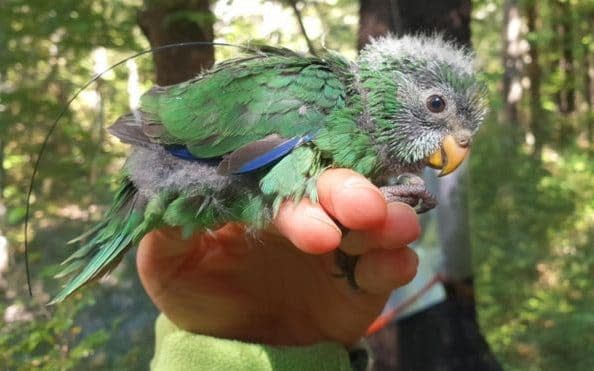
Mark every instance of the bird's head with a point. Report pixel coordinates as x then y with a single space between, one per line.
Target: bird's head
423 98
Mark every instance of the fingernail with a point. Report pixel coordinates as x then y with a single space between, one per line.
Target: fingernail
410 208
401 206
359 183
356 182
321 217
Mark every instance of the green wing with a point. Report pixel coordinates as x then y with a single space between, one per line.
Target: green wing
273 92
263 99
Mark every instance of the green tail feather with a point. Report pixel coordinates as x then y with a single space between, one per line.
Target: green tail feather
131 216
121 228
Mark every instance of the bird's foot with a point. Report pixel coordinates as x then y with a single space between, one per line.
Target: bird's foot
410 189
346 263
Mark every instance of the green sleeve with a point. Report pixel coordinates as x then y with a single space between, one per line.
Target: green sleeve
181 350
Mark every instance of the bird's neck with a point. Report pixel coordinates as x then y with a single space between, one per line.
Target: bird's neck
376 101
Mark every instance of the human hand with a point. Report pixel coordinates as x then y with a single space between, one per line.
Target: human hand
279 287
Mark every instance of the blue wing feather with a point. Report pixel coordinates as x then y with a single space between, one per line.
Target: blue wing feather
181 152
271 156
259 162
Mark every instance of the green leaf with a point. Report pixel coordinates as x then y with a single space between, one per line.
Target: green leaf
15 215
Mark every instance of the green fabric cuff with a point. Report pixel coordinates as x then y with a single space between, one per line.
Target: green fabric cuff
181 350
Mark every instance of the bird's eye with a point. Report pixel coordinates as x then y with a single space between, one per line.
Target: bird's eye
436 103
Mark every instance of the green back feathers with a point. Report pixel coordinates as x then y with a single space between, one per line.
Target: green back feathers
344 144
244 100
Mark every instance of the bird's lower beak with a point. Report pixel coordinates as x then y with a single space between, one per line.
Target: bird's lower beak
449 156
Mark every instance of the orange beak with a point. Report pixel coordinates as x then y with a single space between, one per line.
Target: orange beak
449 156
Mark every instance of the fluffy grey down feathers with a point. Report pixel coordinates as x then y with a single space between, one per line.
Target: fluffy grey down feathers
154 170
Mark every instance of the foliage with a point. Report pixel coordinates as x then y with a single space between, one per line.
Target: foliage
50 49
330 24
532 229
533 212
51 342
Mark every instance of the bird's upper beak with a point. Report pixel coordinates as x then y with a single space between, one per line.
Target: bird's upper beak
449 156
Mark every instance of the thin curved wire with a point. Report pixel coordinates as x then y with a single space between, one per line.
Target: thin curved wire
65 109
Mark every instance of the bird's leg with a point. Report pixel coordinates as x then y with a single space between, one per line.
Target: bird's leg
410 189
346 263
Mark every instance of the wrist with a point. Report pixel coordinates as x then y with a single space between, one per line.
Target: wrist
177 349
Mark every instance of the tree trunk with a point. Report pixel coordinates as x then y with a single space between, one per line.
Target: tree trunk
2 177
588 83
445 336
2 172
537 124
589 95
512 62
170 22
3 134
566 94
378 17
299 19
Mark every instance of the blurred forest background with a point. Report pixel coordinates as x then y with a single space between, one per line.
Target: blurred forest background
532 174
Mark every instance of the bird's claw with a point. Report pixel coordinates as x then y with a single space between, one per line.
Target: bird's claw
346 263
410 189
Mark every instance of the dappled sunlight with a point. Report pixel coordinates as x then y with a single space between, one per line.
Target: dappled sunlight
547 255
549 155
75 212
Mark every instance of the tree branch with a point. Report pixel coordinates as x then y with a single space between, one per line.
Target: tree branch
299 17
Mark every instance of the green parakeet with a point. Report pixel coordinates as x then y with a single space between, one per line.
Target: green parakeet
236 141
